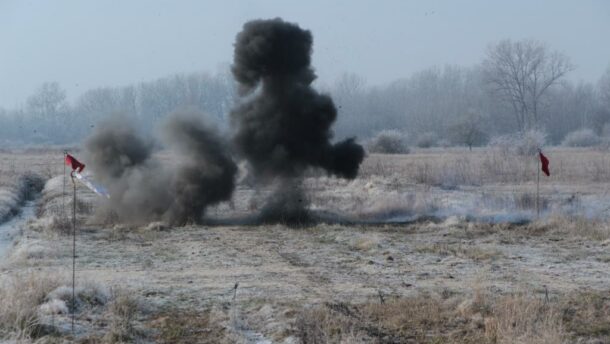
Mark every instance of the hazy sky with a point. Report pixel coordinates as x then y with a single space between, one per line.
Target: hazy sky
85 44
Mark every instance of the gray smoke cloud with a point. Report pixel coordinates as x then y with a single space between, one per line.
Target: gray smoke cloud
198 172
283 125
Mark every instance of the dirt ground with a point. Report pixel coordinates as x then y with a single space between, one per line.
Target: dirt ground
253 283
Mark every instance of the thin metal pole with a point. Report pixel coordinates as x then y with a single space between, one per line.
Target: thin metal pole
63 192
73 250
538 190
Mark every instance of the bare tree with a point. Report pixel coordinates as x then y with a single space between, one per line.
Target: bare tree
468 131
48 111
103 101
98 101
521 73
48 101
350 95
572 106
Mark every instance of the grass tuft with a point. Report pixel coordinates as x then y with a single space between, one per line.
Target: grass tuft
21 295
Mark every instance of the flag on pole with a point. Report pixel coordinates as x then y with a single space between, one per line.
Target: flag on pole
75 164
77 168
544 161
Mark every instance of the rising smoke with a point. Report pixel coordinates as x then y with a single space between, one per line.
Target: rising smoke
200 172
283 125
282 128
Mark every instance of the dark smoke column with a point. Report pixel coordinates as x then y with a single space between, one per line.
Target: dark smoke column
283 125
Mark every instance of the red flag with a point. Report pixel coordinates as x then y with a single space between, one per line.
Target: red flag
545 164
75 164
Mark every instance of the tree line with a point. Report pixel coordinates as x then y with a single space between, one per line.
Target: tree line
48 118
517 86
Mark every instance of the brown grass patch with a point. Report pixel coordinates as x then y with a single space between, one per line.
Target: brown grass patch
20 297
476 253
409 320
188 327
123 310
597 230
513 318
524 319
587 314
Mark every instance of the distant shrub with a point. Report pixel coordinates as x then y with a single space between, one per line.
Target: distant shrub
467 131
529 142
427 140
581 138
444 143
388 142
526 143
504 143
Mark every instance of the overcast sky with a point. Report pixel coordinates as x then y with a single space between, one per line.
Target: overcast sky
85 44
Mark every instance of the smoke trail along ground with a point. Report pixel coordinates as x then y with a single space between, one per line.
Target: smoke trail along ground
200 173
284 126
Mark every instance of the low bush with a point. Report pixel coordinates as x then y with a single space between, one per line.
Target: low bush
526 143
581 138
427 140
388 142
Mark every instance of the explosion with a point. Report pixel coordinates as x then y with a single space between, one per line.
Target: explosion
283 125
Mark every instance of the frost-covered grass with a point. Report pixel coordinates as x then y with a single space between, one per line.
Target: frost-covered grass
9 202
21 173
15 163
326 280
489 165
21 296
37 307
487 184
13 196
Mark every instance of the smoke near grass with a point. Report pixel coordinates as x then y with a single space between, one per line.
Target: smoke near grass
283 125
282 128
142 188
287 203
205 172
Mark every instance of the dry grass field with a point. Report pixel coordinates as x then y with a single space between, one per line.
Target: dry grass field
437 246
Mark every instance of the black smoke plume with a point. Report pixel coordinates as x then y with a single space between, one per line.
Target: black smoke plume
198 172
283 125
